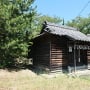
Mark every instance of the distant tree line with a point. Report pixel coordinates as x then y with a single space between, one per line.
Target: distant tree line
82 23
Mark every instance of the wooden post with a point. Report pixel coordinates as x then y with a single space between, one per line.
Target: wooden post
50 57
79 55
74 58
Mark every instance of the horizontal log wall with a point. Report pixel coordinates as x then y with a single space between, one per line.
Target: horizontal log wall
88 58
52 51
42 54
58 57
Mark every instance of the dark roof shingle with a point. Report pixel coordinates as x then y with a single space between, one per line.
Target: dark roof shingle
65 31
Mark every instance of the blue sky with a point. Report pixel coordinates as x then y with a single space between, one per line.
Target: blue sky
67 9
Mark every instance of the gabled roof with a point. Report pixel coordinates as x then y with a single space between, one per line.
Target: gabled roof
70 32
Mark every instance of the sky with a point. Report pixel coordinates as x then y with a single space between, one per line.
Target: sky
67 9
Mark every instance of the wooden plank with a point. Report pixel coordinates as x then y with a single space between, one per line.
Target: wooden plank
55 66
88 57
56 59
57 51
42 54
58 54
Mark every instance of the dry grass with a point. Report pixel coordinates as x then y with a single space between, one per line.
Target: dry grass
27 80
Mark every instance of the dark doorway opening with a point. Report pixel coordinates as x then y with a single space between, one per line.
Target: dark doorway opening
81 58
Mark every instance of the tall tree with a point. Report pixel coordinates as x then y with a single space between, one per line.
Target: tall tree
83 24
16 17
39 19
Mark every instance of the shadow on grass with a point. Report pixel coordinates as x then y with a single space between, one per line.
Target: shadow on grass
30 67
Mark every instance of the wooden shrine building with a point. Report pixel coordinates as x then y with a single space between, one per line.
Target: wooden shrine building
61 48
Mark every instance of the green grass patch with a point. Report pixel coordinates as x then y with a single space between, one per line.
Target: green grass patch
85 77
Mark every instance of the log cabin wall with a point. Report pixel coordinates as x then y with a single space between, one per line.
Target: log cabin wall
84 54
41 55
70 53
58 57
88 58
51 51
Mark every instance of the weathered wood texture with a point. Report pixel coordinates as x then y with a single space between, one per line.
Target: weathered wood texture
58 57
79 53
88 58
70 54
41 49
52 51
42 55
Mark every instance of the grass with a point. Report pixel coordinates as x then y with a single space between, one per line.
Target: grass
28 80
86 77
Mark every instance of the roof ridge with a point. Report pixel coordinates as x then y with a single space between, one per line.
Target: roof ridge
60 26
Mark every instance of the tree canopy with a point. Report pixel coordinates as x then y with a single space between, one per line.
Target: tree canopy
39 19
15 27
19 22
82 23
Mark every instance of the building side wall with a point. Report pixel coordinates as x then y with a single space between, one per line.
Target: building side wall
52 51
88 58
41 49
42 54
59 57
